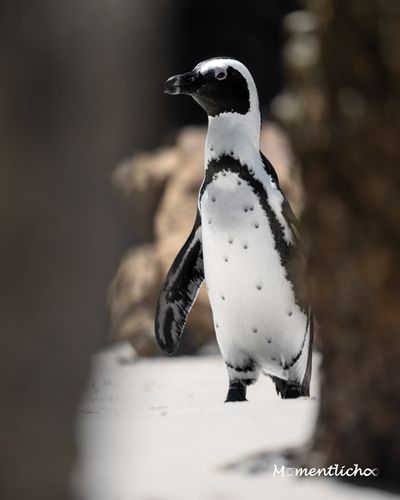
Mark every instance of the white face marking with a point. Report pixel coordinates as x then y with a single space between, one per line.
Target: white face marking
220 68
223 64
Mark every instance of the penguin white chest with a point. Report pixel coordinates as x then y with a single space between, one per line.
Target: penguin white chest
253 304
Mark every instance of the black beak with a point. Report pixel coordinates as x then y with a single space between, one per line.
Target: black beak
186 83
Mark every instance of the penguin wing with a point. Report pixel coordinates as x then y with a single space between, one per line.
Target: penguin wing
287 211
179 291
270 169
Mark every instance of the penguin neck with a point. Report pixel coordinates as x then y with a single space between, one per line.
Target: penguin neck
235 135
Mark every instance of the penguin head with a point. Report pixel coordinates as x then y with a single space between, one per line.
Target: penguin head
218 85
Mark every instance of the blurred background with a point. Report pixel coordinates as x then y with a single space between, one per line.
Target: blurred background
99 180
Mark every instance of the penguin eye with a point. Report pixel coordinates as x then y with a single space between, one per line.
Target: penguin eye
221 75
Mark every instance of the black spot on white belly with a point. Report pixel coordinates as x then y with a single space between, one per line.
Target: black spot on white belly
225 163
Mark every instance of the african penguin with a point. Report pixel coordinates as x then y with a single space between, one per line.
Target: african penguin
243 244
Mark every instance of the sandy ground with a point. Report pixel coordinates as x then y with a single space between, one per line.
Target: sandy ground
158 429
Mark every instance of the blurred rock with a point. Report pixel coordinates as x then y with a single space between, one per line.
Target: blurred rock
142 180
132 298
162 187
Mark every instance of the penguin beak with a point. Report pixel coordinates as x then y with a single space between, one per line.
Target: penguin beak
186 83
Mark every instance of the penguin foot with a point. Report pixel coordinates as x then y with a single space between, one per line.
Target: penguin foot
288 390
292 391
237 392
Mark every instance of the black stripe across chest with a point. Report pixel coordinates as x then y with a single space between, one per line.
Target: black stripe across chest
227 164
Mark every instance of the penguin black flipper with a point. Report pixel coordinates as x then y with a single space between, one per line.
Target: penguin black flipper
179 291
270 169
286 208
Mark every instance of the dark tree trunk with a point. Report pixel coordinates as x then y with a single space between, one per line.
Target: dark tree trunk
344 117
